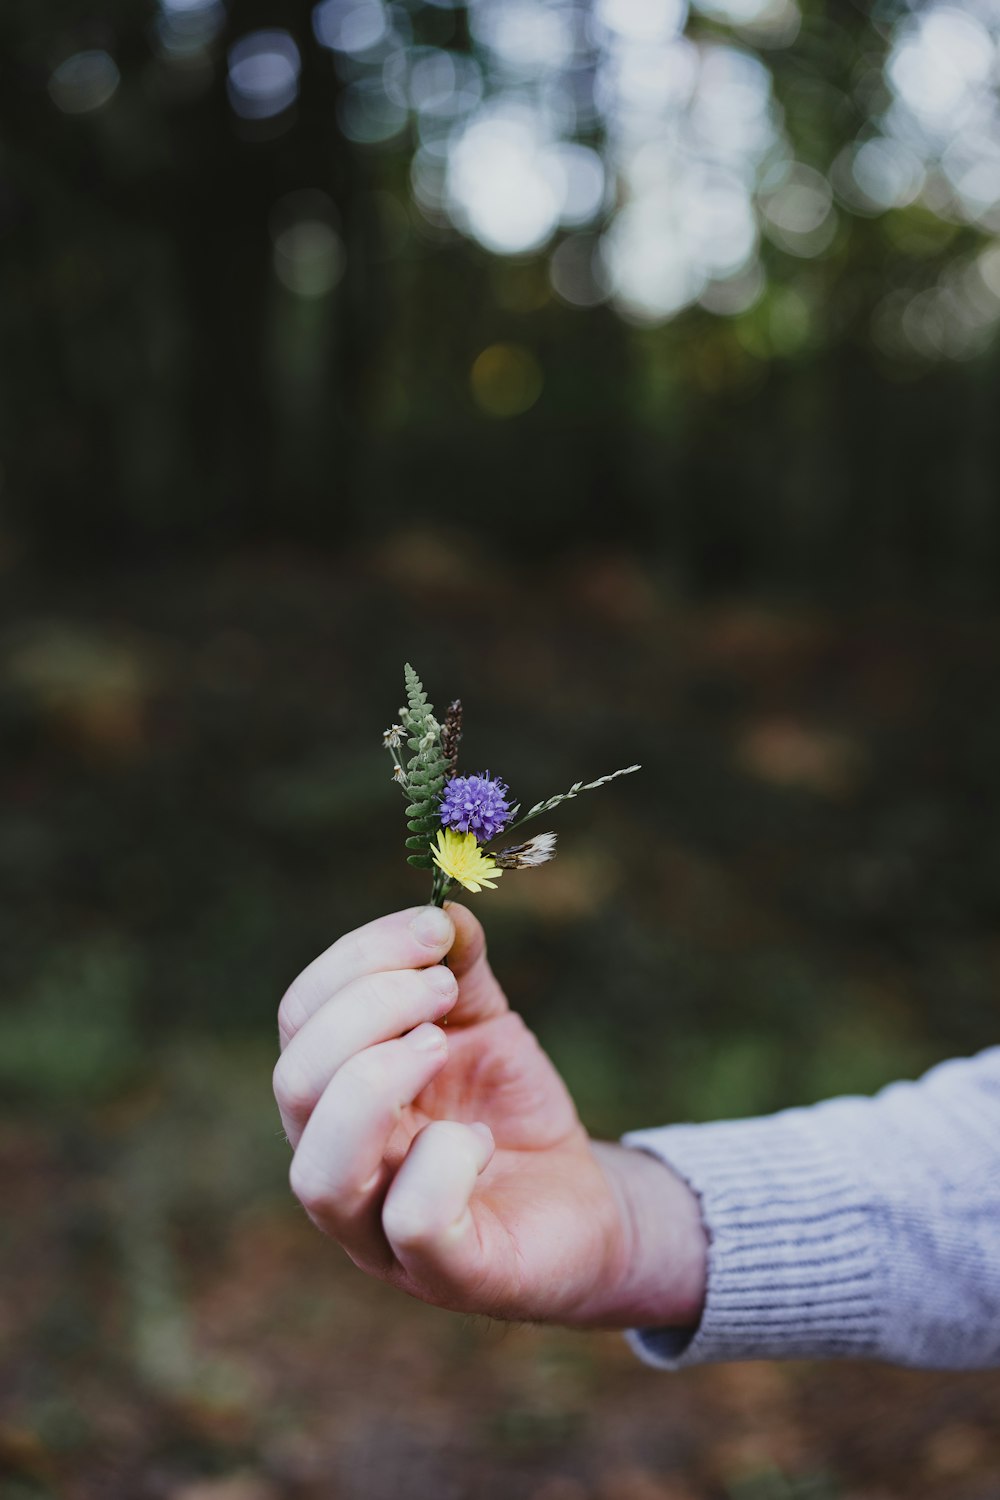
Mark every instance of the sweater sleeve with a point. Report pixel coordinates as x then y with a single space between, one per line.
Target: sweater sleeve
858 1227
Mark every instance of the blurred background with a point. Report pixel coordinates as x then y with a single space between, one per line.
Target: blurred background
630 367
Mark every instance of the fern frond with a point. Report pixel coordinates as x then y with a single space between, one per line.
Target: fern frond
416 698
426 768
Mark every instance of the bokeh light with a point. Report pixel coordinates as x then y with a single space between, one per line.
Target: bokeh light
575 272
263 79
663 140
185 27
84 83
661 154
351 26
767 23
798 212
367 115
641 20
503 185
309 258
308 252
506 380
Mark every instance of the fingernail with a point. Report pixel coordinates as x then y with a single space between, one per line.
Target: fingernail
431 927
483 1130
440 979
426 1038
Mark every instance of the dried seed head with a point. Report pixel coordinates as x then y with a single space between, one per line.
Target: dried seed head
451 734
392 737
536 851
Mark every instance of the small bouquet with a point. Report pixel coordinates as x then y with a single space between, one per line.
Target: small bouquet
453 818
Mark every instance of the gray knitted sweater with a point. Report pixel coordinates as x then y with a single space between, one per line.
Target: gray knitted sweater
858 1227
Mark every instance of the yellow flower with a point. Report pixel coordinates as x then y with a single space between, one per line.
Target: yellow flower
460 857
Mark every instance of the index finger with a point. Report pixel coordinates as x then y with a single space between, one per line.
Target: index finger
411 939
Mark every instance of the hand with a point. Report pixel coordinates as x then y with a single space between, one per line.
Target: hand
452 1163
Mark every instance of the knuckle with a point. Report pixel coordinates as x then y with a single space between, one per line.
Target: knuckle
384 998
367 1070
310 1189
292 1013
444 1136
405 1224
358 950
292 1088
451 1143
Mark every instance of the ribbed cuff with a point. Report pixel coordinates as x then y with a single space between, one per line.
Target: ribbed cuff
794 1268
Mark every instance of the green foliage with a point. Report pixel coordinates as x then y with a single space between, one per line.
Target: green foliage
70 1035
770 1483
425 771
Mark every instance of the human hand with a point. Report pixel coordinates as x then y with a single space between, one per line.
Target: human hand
452 1164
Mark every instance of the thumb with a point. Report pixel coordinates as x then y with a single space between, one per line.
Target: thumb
479 994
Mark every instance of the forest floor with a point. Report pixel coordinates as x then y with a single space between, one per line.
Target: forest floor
195 804
248 1360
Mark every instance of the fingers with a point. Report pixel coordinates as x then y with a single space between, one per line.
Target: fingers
426 1215
346 1075
480 996
410 939
369 1010
339 1172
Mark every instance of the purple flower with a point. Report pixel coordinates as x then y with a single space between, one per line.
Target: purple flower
476 804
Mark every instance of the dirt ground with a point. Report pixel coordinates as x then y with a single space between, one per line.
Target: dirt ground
800 898
250 1361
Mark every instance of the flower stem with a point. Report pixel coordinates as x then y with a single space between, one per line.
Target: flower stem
440 887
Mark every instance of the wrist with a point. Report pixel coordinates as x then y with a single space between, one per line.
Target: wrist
658 1264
